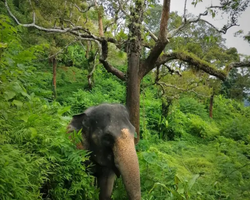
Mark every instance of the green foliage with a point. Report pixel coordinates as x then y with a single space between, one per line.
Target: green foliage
232 118
197 126
106 90
37 158
192 106
189 170
188 117
74 56
175 124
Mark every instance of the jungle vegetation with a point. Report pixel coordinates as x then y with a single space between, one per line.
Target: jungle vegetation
184 88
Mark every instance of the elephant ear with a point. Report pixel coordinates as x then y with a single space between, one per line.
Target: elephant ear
80 121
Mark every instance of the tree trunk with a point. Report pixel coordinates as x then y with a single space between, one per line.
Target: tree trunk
100 24
54 63
133 80
133 94
87 50
211 106
165 105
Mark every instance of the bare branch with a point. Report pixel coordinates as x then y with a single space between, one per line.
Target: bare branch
224 28
162 84
121 8
93 40
87 35
74 30
86 10
59 30
67 20
172 71
184 24
113 70
151 34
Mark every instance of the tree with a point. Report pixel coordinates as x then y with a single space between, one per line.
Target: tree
125 27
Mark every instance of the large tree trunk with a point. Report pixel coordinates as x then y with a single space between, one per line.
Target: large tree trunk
133 81
133 94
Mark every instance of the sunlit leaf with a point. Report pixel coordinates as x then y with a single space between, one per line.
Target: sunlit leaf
9 95
17 103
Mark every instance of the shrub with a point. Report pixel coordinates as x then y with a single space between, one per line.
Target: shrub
198 127
192 106
175 124
37 158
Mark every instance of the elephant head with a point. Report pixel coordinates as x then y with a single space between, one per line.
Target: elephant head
109 135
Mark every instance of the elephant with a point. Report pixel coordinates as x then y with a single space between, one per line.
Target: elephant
109 135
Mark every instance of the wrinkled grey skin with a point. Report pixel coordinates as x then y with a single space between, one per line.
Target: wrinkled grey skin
109 135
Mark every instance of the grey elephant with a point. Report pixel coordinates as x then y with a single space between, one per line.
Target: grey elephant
108 134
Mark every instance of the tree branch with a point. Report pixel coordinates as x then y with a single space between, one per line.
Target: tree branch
172 71
86 10
164 20
239 64
224 28
101 41
59 30
184 24
151 34
161 42
162 84
193 60
74 30
119 74
122 9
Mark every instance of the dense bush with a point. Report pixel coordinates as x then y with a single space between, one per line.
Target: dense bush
106 90
232 118
37 158
191 105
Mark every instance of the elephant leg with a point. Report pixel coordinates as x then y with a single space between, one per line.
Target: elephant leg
105 181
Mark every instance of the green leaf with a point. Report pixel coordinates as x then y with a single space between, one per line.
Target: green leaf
24 118
33 132
63 110
192 181
149 157
3 45
17 103
166 123
9 95
25 94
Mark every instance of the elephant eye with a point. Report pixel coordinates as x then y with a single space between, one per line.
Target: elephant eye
108 140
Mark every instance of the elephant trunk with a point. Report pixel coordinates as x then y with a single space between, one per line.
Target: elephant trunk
127 162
